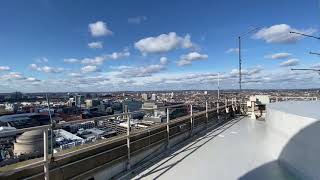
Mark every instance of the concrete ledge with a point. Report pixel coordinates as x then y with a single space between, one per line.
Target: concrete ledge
296 128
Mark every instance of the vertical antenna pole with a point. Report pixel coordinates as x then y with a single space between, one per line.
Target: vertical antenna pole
239 40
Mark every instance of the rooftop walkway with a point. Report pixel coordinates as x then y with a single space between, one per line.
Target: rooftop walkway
237 150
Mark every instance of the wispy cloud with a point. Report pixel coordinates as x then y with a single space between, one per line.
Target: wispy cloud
282 55
95 45
290 62
4 68
137 19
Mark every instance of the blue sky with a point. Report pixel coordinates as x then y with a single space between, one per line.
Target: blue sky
160 45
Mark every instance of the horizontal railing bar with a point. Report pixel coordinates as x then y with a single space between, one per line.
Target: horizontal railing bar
34 164
113 139
18 131
90 147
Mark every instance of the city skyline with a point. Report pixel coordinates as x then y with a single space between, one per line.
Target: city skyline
61 46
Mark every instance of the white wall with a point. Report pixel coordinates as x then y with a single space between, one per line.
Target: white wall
296 141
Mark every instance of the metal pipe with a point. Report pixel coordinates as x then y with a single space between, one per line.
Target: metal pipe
168 129
207 117
218 86
191 119
128 138
45 154
240 63
51 124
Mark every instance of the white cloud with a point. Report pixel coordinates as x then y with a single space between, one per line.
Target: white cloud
137 20
118 55
42 60
163 60
13 75
4 68
89 69
233 50
278 56
280 33
143 71
99 28
95 45
75 74
316 65
290 62
193 56
32 79
71 60
246 72
163 43
99 60
46 69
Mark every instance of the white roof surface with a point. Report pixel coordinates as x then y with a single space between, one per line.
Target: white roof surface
228 153
301 108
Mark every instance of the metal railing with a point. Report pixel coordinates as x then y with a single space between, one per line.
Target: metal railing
290 98
148 136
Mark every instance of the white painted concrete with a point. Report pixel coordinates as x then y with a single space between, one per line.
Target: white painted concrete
235 151
296 127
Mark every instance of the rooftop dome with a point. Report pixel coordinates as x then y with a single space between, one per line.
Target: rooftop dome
30 142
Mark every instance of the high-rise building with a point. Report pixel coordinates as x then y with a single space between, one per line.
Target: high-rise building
144 96
153 97
79 99
92 103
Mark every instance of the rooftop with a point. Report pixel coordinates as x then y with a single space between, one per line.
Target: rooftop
232 151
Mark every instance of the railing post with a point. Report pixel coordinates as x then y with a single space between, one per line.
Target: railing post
207 117
236 104
218 110
168 129
191 119
45 154
128 140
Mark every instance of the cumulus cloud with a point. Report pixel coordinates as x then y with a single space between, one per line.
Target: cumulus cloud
71 60
46 69
95 45
4 68
280 33
137 19
99 28
316 65
75 74
193 56
13 75
99 60
290 62
143 71
163 60
233 50
278 56
163 43
246 72
89 69
118 55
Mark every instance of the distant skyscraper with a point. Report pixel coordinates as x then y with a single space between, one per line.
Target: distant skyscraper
144 96
79 99
153 97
